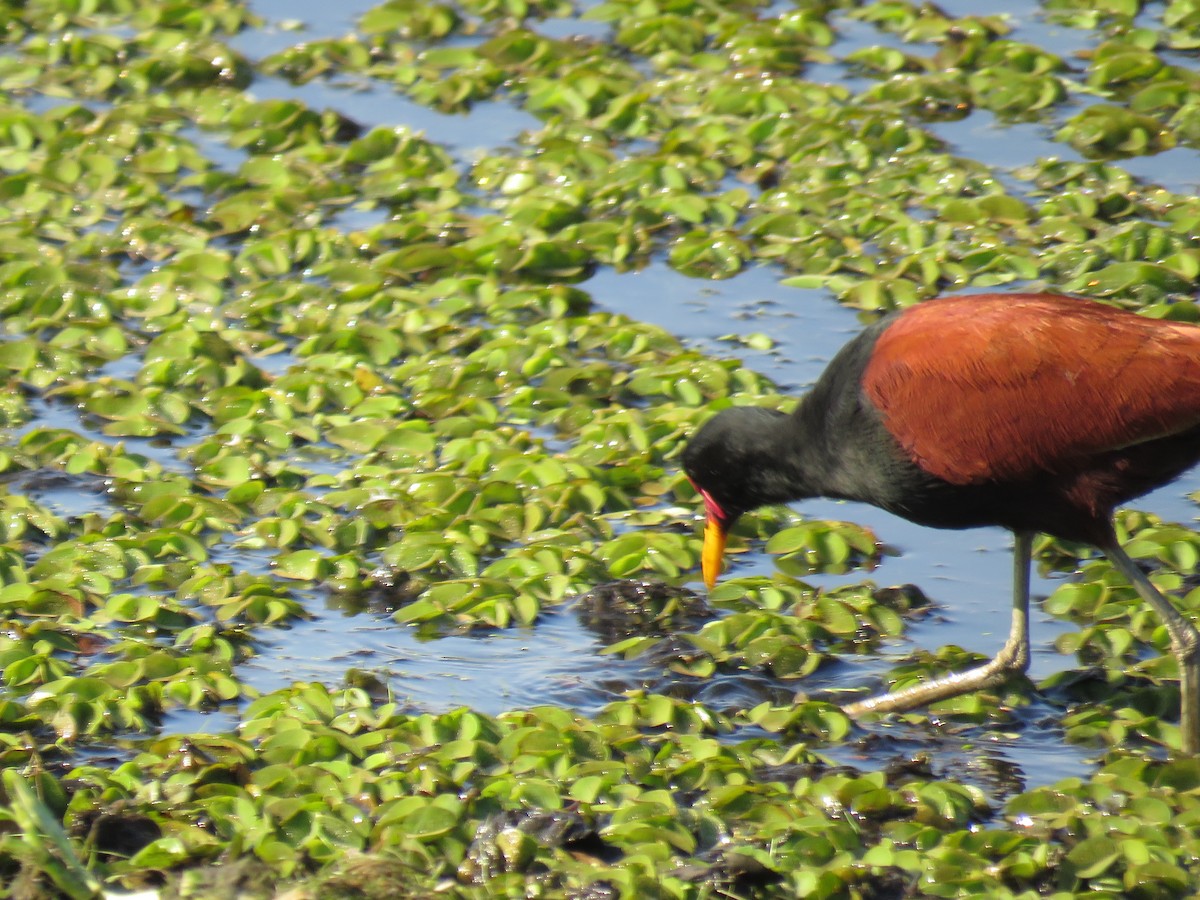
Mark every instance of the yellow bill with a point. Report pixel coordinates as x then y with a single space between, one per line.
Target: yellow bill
713 552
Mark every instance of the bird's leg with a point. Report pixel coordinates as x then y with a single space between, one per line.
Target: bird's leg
1185 644
1013 658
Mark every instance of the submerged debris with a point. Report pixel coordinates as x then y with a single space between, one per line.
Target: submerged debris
507 842
627 608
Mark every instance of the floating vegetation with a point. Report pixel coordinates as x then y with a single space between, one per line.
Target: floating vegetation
262 359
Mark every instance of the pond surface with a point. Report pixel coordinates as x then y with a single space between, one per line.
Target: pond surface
344 548
967 574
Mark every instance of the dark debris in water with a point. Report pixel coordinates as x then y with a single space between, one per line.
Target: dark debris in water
920 752
118 833
628 608
726 872
903 598
505 842
386 589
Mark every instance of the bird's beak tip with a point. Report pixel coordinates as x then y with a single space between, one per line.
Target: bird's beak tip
714 550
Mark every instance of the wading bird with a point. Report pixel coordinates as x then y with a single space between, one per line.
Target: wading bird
1037 412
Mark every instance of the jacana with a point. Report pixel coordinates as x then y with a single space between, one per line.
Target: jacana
1036 412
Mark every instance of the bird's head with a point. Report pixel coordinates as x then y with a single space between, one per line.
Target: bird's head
732 464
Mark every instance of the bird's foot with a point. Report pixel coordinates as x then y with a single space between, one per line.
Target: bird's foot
994 673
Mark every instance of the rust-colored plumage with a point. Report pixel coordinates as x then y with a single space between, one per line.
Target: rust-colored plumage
1085 405
994 387
1037 412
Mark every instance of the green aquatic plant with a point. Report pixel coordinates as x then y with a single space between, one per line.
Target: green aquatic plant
264 364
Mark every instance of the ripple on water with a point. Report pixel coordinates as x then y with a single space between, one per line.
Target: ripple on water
556 662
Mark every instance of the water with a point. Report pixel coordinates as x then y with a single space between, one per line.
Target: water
968 574
288 22
556 661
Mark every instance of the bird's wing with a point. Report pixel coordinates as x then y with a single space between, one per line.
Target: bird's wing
990 388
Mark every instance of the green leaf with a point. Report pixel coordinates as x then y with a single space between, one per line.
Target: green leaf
44 837
1093 856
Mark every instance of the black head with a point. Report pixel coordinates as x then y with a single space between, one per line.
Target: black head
737 462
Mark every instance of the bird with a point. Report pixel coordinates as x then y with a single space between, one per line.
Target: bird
1038 412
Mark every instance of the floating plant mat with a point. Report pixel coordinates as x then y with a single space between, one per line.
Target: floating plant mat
349 352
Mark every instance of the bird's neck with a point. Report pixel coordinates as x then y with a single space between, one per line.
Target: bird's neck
824 453
784 473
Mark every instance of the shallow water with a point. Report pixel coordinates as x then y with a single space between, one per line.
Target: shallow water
968 574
